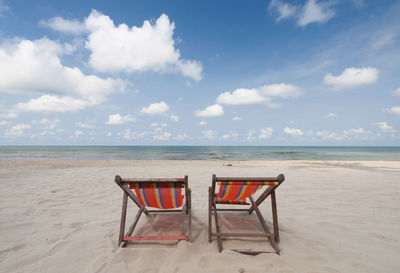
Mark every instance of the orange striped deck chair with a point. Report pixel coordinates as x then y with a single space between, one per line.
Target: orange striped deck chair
236 191
163 195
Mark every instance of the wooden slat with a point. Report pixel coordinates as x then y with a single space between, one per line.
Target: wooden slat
218 229
156 238
272 179
242 234
232 209
152 180
164 210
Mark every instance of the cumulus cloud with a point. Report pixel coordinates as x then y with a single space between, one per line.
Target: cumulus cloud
312 11
174 118
49 103
384 127
265 133
17 130
118 119
315 12
84 125
284 10
155 108
129 49
203 123
330 115
209 134
211 111
240 96
354 131
231 135
243 96
35 67
237 118
352 77
162 136
281 90
397 92
394 110
329 135
63 25
293 131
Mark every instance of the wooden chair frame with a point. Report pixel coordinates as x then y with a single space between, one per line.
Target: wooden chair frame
269 191
123 183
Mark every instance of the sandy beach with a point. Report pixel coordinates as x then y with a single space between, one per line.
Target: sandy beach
334 216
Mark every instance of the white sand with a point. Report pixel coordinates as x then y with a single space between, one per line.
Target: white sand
63 216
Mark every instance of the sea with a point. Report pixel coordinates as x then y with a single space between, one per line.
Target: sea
218 153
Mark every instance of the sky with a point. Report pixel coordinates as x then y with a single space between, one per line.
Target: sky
279 72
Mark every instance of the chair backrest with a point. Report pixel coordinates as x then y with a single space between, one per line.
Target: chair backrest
235 190
162 193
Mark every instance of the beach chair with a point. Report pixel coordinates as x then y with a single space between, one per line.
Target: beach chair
235 191
164 195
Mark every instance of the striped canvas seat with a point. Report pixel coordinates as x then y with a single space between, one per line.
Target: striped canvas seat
236 192
159 195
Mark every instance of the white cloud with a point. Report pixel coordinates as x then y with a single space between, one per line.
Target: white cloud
17 130
174 118
211 111
237 118
49 124
129 49
250 135
49 103
293 131
155 108
154 124
63 25
265 133
354 131
352 77
163 136
76 134
85 125
202 122
35 67
329 135
330 115
315 12
181 137
3 122
384 127
397 92
209 134
394 110
281 90
118 119
231 135
284 10
240 96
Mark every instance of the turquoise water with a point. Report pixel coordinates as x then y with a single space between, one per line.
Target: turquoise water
224 153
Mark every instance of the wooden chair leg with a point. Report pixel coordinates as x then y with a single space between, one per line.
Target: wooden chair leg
275 216
123 218
219 241
190 215
209 215
264 224
132 228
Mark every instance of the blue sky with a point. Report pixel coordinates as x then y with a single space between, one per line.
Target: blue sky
274 72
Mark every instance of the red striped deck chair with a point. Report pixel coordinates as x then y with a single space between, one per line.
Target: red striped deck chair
235 191
164 195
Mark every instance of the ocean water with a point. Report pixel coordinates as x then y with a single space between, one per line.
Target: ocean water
220 153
